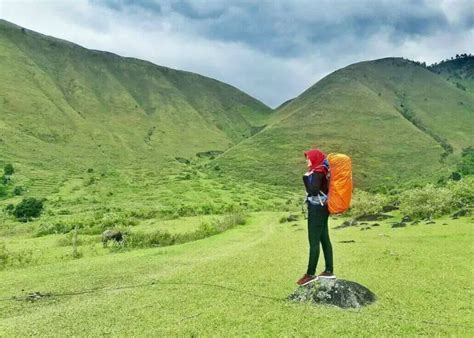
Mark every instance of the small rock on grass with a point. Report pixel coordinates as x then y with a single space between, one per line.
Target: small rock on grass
399 225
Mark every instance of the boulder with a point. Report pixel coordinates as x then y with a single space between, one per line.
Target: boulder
111 235
338 292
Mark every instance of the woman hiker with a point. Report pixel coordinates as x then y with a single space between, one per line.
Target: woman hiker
317 185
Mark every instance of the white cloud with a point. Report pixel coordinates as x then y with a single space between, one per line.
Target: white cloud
267 73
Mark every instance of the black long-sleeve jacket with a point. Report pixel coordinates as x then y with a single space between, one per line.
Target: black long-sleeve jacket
315 182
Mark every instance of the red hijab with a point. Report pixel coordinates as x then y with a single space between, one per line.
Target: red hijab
317 158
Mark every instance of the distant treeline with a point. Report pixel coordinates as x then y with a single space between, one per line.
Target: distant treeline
433 65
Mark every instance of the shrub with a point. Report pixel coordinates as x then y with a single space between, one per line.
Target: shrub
9 208
462 192
28 208
18 190
163 238
54 228
9 258
428 201
8 170
367 203
466 165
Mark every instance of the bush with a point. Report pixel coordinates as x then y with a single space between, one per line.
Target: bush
8 170
462 192
9 258
162 238
18 190
54 228
426 202
28 208
466 166
367 203
9 208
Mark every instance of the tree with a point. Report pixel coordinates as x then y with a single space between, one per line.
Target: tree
28 208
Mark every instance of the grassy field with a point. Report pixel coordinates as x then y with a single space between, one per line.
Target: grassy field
174 157
235 283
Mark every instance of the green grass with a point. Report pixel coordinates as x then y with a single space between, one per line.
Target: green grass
235 283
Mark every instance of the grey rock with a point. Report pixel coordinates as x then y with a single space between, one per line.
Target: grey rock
431 222
406 219
111 235
346 224
338 292
292 218
399 225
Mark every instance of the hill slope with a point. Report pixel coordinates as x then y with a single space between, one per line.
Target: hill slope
64 105
396 119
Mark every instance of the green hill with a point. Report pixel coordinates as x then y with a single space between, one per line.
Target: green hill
66 106
459 71
398 121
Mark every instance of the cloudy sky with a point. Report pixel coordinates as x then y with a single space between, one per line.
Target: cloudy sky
272 50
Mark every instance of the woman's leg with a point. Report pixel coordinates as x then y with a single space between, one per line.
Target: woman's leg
326 243
315 228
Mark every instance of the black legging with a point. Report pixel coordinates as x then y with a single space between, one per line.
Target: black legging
318 232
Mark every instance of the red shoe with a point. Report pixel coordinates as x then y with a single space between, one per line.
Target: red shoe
306 279
327 274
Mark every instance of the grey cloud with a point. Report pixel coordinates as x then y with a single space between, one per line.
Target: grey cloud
289 29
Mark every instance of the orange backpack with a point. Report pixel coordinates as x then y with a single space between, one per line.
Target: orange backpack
340 183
